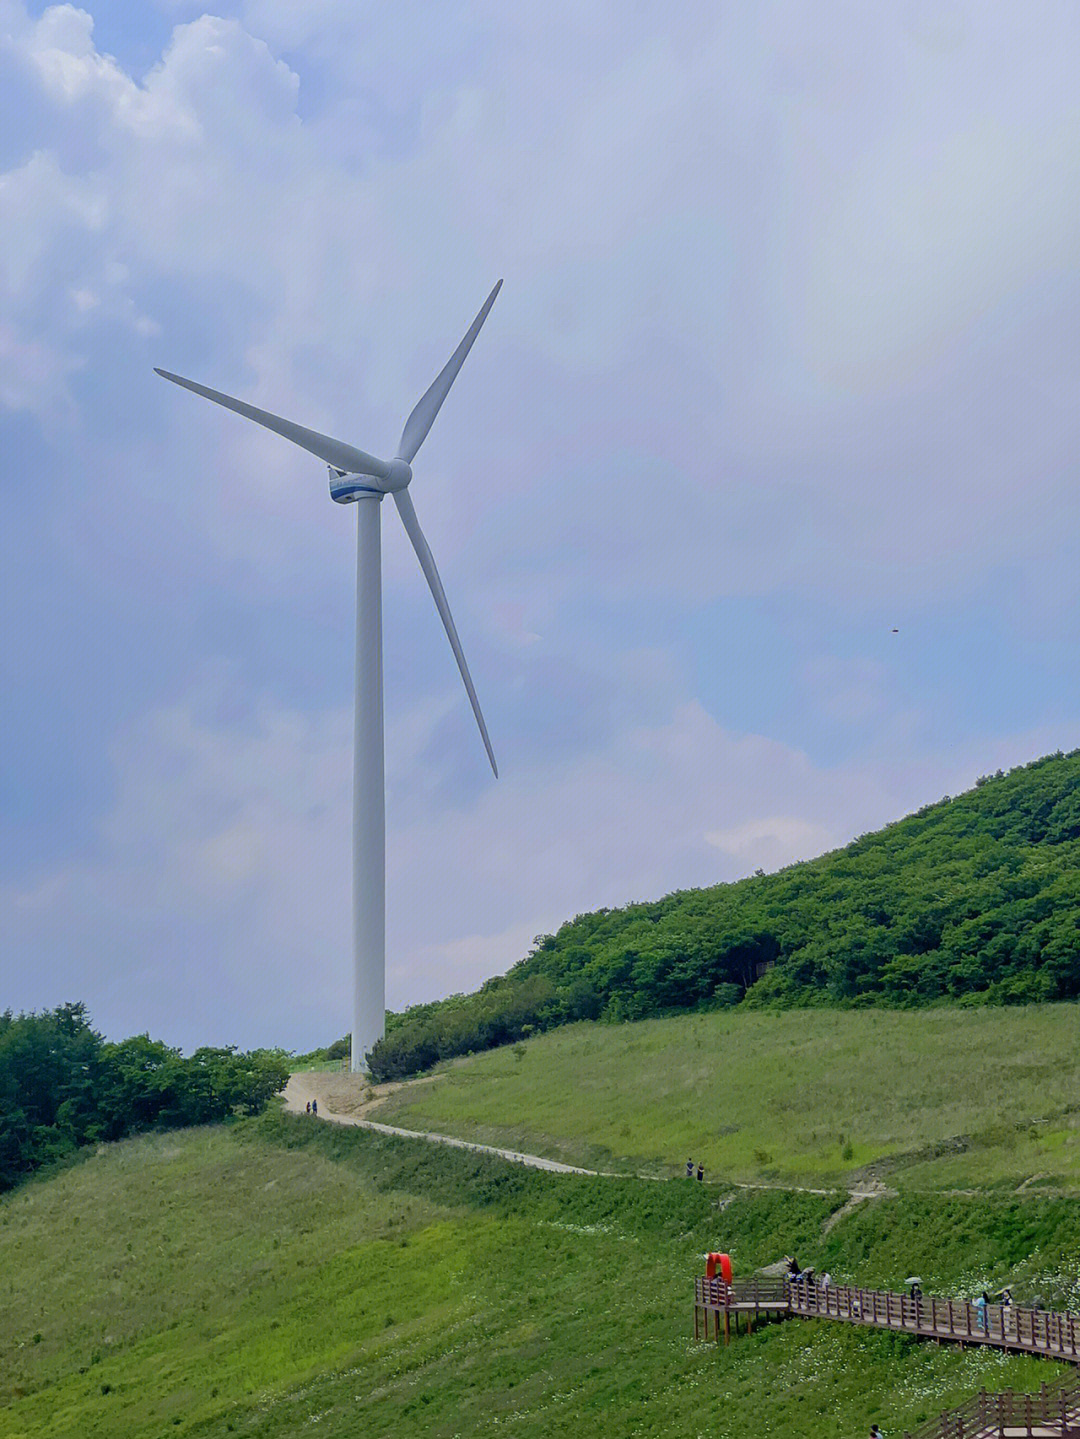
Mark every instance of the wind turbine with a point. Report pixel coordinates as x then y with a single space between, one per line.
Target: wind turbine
361 479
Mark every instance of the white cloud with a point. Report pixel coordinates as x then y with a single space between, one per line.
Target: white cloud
771 277
928 239
849 690
772 843
217 904
220 891
31 373
618 199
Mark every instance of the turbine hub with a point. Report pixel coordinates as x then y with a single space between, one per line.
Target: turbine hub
399 476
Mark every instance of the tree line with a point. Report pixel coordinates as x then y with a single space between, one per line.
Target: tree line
63 1086
973 900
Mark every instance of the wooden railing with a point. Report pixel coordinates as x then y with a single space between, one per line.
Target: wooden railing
749 1297
1029 1331
756 1292
1053 1412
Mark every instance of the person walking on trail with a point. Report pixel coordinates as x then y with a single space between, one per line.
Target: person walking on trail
700 1172
314 1106
980 1307
689 1169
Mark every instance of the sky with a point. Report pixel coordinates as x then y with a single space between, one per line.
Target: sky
755 502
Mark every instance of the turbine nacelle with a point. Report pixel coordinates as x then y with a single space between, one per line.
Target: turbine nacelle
346 488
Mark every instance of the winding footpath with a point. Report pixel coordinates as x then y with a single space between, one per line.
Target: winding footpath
304 1087
312 1084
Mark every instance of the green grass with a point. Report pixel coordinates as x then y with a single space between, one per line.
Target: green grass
939 1098
173 1244
277 1274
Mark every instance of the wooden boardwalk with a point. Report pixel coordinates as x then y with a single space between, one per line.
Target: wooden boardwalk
1054 1413
1025 1331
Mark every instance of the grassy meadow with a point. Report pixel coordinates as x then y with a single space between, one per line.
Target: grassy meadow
923 1099
280 1273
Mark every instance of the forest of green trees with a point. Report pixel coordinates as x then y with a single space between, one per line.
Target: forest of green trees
975 899
62 1086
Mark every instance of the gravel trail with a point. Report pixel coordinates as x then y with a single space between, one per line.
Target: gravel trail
311 1085
338 1103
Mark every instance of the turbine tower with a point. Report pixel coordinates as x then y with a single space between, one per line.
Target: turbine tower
361 479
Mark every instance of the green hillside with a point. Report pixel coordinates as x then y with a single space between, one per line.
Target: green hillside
920 1099
279 1274
974 900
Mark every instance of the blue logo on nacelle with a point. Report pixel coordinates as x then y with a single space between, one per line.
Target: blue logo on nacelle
346 488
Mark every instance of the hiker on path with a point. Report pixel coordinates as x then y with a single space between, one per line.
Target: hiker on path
700 1172
980 1306
314 1106
309 1106
689 1169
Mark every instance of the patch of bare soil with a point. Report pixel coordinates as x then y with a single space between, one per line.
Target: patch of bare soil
341 1095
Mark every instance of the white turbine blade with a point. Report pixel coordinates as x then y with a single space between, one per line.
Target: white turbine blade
334 452
423 416
427 564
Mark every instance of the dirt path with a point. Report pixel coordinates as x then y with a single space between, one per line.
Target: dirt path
342 1099
345 1099
340 1091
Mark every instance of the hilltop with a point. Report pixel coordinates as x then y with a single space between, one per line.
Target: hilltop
972 900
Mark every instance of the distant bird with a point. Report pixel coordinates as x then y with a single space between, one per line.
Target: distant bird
896 632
